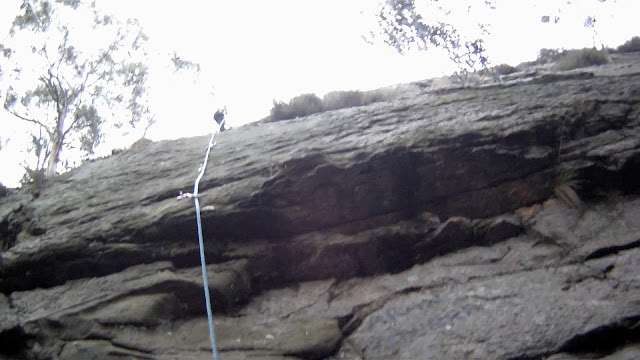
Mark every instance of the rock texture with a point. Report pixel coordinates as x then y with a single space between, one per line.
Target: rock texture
423 228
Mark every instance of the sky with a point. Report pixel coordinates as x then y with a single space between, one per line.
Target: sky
253 52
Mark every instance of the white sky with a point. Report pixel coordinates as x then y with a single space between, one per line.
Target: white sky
254 51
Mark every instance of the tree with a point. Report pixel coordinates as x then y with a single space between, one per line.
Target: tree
408 24
403 26
70 70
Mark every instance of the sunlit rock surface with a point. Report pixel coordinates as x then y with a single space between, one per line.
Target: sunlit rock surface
488 222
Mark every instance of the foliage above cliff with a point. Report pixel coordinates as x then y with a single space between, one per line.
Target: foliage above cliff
68 85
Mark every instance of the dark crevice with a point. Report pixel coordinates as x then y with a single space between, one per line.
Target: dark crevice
606 339
606 251
124 346
14 342
600 184
19 220
71 265
313 354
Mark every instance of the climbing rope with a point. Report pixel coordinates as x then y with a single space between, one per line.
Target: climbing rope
212 336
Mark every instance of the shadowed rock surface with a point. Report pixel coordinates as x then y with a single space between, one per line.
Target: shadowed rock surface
487 222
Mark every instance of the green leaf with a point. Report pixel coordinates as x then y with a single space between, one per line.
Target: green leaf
10 100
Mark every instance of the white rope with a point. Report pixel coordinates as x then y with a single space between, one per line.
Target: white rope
203 263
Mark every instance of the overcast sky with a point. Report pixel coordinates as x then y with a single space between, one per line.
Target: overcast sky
255 51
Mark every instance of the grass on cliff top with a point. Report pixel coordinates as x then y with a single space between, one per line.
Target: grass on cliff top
307 104
575 59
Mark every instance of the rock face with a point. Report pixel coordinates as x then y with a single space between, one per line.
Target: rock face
423 228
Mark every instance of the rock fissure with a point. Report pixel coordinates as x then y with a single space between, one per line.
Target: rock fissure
606 251
605 339
127 347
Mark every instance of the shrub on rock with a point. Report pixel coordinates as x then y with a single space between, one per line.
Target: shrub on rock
575 59
301 105
343 99
630 45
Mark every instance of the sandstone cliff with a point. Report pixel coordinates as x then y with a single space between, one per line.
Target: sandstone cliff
487 222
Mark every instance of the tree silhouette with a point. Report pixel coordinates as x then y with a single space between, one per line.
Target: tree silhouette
69 69
404 27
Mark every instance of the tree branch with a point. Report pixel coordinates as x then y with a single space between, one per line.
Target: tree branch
64 47
75 120
48 83
56 90
29 120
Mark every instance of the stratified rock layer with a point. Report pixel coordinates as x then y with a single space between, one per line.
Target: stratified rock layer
423 228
